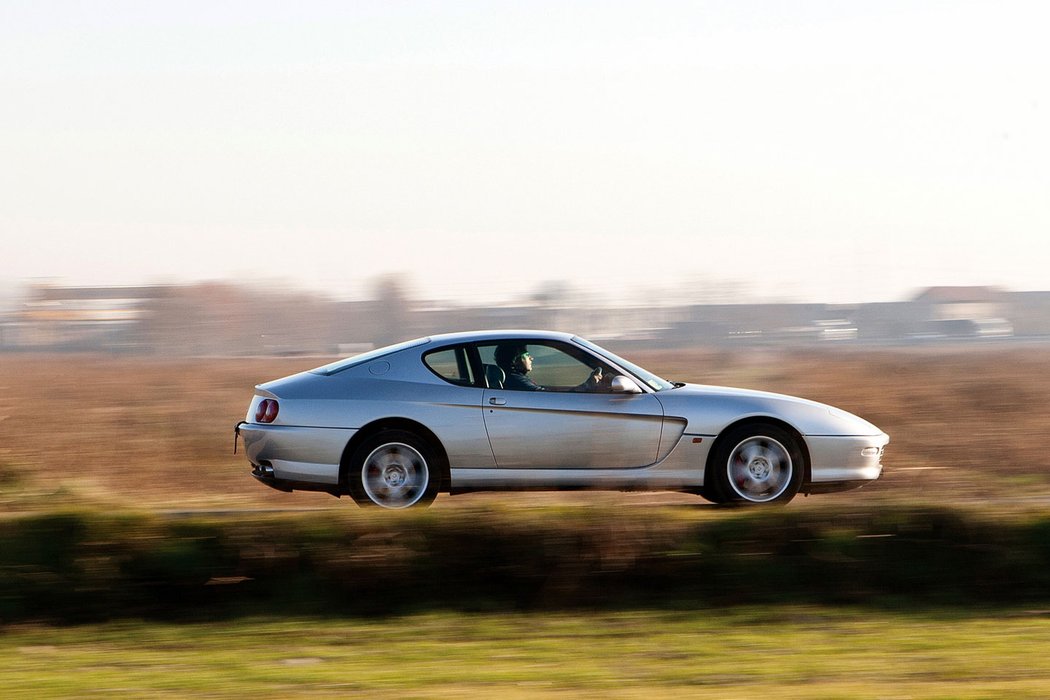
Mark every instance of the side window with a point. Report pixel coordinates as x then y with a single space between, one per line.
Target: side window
553 368
549 366
451 365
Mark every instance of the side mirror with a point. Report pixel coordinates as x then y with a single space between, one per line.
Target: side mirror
624 385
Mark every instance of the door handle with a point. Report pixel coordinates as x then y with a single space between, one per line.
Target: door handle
496 401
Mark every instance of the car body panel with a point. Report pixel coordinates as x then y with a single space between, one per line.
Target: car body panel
297 453
843 458
708 410
357 397
505 439
542 429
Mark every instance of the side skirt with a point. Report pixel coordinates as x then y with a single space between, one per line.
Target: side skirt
645 479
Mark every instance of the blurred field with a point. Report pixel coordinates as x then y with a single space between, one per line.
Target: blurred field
930 583
157 433
791 652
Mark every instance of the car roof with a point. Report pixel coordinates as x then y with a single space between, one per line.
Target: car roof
427 343
470 336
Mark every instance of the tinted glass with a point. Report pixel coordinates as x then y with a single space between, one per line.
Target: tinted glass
451 365
340 365
554 366
645 375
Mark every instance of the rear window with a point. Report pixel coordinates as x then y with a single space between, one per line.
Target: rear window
340 365
451 364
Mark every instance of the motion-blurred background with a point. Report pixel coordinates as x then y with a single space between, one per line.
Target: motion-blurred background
478 154
840 201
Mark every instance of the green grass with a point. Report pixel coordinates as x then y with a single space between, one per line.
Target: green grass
782 652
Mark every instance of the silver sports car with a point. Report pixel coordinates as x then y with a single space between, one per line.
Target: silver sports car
514 410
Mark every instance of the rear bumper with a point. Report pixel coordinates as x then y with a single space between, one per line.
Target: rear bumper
286 457
264 473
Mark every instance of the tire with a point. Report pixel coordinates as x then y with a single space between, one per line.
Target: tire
394 469
712 493
758 463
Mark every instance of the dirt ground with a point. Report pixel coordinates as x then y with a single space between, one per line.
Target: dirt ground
966 424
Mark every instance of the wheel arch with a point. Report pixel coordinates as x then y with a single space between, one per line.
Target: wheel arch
757 420
394 423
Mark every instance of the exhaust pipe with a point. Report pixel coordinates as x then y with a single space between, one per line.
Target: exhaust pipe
263 471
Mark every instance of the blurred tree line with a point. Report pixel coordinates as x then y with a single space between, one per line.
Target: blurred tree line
223 318
226 318
219 318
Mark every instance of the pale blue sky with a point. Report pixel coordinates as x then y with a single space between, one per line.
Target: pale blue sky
825 151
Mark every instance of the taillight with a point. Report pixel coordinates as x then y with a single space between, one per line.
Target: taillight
266 412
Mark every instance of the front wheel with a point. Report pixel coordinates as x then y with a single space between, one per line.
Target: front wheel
759 463
393 469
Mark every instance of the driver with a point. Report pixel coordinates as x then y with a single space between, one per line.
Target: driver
516 363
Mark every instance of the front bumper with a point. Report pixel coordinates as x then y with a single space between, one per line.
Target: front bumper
850 460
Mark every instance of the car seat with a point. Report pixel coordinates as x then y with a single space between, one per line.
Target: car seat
494 376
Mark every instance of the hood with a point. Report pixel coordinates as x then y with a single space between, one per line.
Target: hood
709 409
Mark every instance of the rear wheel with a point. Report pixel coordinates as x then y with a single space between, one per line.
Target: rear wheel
758 463
393 469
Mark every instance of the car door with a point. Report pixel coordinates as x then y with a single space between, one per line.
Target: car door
453 413
567 424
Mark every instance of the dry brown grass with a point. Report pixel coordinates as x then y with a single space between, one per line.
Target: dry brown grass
131 431
128 430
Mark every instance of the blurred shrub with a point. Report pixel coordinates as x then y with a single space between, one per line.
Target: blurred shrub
81 566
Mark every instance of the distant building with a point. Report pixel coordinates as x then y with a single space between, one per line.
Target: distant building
950 303
78 318
964 312
1030 313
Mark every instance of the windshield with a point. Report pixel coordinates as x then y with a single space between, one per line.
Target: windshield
340 365
654 382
